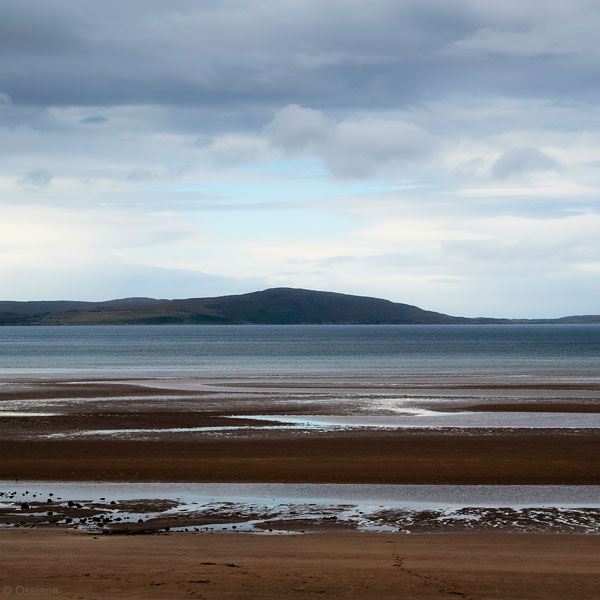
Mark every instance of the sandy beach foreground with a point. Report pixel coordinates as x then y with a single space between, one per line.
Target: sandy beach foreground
64 564
213 431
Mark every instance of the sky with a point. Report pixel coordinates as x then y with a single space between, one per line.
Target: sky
442 154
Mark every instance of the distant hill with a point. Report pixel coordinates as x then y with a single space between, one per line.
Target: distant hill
272 306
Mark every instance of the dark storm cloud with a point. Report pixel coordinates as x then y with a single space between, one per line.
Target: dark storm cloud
37 29
330 55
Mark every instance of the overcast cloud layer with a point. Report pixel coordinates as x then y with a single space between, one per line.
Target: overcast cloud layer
444 154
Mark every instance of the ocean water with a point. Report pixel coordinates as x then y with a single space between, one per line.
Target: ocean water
255 350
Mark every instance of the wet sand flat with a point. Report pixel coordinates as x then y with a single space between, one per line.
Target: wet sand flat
119 508
51 437
59 443
363 457
331 565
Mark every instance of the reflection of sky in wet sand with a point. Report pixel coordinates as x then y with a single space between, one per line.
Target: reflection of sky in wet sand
427 418
139 432
284 507
340 395
411 418
416 496
14 413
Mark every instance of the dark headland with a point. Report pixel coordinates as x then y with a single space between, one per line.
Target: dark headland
284 306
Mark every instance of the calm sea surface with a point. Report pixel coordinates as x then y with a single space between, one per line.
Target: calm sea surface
386 350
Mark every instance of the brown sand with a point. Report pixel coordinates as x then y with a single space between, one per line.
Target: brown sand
333 565
393 457
260 454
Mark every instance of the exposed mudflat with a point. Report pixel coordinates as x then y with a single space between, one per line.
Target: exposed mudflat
327 430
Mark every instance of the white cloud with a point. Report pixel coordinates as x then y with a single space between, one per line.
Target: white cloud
355 147
296 129
230 150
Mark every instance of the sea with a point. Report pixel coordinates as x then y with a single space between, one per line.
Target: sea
570 352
